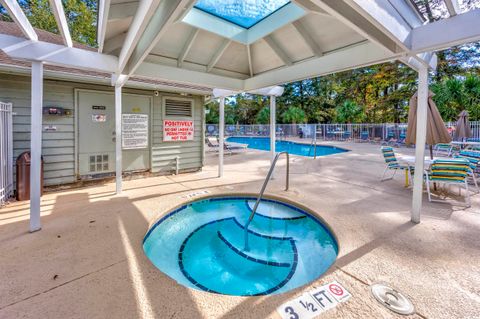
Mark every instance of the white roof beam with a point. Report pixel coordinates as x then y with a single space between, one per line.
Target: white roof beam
453 7
278 51
187 47
172 73
122 10
307 38
114 43
103 9
59 13
163 16
218 54
269 91
446 33
365 53
249 57
21 49
308 6
16 13
142 17
351 18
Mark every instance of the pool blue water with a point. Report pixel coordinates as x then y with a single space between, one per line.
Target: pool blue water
201 246
263 143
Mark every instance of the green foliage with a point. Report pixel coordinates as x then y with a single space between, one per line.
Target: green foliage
294 115
349 112
454 95
263 117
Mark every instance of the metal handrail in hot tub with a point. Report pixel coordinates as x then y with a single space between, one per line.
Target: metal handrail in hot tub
260 195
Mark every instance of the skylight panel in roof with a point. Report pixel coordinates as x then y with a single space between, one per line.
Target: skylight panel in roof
245 13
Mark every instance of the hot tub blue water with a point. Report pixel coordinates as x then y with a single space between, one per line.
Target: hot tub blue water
263 143
201 245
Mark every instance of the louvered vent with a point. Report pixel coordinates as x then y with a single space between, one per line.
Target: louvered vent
174 107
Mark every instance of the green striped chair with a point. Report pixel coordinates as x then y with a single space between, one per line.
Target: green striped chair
473 158
443 149
449 172
393 164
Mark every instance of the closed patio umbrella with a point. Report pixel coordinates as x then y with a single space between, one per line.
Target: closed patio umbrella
462 129
436 130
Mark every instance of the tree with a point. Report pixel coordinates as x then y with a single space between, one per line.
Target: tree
263 117
81 17
349 112
294 115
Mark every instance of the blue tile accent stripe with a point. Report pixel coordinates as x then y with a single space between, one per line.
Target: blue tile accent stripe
270 217
223 198
241 253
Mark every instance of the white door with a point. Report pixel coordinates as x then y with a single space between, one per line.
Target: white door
96 133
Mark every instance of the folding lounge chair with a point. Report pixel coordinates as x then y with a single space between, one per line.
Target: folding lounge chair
449 172
443 149
393 164
473 157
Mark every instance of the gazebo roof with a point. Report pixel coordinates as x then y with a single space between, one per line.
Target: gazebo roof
188 42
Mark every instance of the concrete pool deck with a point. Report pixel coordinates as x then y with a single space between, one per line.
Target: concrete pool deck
88 261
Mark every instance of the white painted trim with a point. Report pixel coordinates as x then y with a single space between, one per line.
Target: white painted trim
225 44
122 10
57 54
273 123
118 139
16 13
221 135
59 13
442 34
362 54
163 72
269 91
305 35
36 145
114 43
250 62
164 16
186 48
103 12
420 140
225 29
453 7
278 51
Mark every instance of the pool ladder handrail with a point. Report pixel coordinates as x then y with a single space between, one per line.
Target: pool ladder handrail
264 186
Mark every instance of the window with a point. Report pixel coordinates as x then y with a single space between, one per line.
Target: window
244 13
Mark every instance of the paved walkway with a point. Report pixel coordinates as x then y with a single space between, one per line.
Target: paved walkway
88 261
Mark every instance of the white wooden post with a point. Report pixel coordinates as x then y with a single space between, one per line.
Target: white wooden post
221 135
272 127
422 112
118 138
36 145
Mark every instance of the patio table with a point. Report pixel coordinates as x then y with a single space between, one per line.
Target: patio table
410 160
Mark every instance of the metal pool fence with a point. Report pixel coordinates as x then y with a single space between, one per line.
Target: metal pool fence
6 152
330 132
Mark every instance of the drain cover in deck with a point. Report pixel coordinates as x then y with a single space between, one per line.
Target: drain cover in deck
392 299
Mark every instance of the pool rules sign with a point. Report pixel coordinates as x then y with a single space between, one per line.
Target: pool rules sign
177 130
313 303
134 131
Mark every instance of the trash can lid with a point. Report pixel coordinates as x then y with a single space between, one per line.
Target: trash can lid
24 157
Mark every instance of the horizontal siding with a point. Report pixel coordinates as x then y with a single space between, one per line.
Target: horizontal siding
58 147
190 153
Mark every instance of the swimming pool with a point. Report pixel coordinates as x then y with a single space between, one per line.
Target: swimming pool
201 246
263 143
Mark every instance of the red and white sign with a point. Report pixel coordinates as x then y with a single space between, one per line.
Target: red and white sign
177 131
338 292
